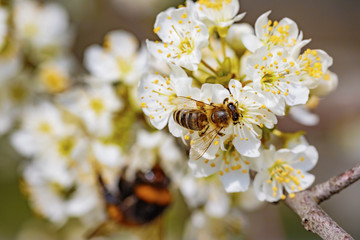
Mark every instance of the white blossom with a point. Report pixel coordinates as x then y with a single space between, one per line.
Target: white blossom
327 84
3 26
41 26
118 59
302 114
218 13
95 105
246 132
284 33
314 65
55 76
15 92
52 182
157 95
41 125
283 169
182 36
235 35
208 193
232 168
276 75
151 149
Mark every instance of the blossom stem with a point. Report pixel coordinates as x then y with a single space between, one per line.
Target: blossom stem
197 80
213 52
208 66
223 46
277 133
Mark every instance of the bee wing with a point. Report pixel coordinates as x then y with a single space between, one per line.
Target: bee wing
201 144
189 103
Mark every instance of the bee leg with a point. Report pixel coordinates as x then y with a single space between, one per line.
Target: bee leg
226 100
221 134
201 133
110 198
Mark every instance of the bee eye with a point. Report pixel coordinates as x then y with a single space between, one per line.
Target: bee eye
149 176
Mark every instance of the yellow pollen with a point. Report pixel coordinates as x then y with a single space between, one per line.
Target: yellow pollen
327 77
97 105
186 137
156 30
44 127
292 195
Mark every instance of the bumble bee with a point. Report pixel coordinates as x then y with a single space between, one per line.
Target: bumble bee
207 119
137 202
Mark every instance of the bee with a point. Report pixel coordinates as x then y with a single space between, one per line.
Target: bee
206 119
138 202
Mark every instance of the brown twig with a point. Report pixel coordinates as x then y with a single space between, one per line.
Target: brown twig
313 217
325 190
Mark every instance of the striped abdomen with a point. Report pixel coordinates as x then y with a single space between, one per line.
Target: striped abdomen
191 119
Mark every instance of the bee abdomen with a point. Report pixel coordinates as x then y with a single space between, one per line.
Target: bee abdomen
191 119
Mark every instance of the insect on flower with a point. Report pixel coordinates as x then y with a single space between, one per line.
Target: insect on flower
207 119
137 202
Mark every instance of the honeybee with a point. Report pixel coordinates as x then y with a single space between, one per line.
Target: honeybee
135 203
207 119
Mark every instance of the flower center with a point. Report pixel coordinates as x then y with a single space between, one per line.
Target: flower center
44 127
278 35
311 63
65 146
63 192
31 29
124 65
97 105
282 173
186 46
53 80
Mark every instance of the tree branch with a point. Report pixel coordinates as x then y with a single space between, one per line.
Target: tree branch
313 217
325 190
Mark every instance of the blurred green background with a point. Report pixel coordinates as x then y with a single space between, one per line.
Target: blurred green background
333 26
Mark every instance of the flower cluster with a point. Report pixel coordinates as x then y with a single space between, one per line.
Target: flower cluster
71 126
227 86
218 85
